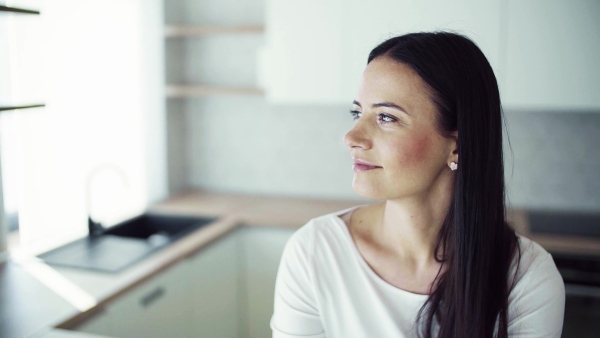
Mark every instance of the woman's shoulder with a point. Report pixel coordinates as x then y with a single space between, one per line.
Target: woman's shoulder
530 254
323 223
322 229
537 299
535 268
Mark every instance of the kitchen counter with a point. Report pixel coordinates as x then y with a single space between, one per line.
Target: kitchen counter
26 304
289 212
42 289
35 296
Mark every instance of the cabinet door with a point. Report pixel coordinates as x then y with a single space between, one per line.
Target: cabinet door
372 22
316 50
215 289
301 60
158 308
552 54
262 250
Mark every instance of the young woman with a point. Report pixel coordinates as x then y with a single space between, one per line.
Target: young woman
436 258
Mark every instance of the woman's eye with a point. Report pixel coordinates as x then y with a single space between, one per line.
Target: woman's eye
355 114
383 118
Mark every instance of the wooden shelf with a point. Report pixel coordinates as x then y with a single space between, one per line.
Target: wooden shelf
186 31
178 91
18 10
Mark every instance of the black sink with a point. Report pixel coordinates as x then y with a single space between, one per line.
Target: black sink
125 243
147 226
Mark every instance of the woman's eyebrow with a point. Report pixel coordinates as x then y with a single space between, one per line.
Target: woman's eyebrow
384 104
390 105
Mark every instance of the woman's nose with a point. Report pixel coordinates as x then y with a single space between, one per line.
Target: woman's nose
357 137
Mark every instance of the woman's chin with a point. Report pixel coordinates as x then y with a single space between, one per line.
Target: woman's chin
368 191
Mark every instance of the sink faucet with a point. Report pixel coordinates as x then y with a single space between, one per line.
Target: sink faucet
95 228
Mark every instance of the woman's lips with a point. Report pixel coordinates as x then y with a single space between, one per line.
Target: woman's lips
360 166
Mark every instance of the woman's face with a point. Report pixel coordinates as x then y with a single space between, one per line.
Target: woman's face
395 146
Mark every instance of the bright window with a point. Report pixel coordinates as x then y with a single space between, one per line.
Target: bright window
85 60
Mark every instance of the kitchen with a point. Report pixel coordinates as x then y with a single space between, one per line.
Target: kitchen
241 147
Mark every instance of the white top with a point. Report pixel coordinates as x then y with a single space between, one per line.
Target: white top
325 288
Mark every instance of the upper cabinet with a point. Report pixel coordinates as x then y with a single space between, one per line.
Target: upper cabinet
542 51
316 50
552 55
302 61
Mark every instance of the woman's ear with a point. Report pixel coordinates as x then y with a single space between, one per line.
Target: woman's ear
454 146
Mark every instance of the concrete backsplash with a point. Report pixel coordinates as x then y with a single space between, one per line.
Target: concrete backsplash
553 160
242 144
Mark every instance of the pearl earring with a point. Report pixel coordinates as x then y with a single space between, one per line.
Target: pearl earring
453 166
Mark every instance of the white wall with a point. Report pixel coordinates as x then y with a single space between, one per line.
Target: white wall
19 84
103 86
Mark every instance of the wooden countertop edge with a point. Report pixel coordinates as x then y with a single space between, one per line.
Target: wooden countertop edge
553 243
566 244
154 265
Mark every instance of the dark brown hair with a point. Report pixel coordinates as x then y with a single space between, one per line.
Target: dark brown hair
475 245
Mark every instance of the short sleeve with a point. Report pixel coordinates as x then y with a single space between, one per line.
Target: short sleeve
295 309
538 308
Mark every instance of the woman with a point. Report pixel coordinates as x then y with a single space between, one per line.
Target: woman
436 258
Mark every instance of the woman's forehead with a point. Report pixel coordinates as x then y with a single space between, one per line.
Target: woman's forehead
387 80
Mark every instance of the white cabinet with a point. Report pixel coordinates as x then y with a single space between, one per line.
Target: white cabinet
198 297
215 289
371 22
262 249
225 290
316 50
552 54
158 308
302 60
544 53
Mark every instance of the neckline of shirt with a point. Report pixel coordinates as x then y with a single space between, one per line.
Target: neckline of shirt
361 260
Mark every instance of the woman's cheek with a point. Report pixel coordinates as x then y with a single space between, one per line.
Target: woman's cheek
414 151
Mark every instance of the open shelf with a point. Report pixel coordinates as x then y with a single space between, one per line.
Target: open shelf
184 31
4 108
18 10
176 91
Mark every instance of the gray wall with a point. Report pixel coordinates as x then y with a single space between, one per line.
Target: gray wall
554 162
242 144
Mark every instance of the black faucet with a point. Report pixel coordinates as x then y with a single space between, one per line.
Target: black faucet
96 229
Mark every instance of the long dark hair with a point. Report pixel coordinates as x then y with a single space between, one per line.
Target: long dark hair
475 244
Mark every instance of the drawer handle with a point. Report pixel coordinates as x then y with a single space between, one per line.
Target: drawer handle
153 296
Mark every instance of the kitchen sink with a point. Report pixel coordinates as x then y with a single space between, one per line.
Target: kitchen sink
125 243
149 226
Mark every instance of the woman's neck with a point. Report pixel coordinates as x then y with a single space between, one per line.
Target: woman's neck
411 230
409 226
